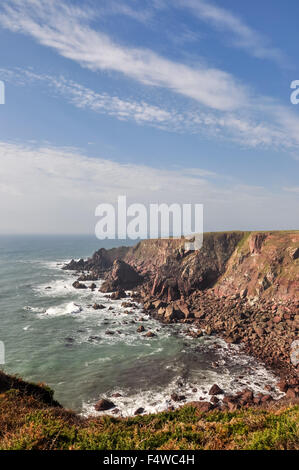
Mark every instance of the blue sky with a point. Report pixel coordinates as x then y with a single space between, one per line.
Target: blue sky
162 100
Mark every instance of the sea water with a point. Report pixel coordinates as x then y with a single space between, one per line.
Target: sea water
53 335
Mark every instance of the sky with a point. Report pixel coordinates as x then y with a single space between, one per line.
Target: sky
164 101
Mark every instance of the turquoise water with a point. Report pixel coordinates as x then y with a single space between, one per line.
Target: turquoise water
52 334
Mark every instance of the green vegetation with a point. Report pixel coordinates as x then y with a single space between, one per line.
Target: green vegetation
27 422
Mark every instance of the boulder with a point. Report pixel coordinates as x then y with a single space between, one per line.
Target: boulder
139 411
140 329
176 397
282 385
214 400
231 403
98 306
161 311
79 285
104 405
119 294
246 397
291 393
266 398
203 406
215 390
173 313
150 334
128 305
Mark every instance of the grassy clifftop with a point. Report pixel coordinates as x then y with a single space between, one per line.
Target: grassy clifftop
29 422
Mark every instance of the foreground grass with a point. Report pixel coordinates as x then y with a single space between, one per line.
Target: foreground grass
28 423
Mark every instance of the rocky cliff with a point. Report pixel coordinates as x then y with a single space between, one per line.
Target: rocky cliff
253 264
242 286
264 265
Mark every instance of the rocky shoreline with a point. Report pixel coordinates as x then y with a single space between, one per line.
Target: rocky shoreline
241 286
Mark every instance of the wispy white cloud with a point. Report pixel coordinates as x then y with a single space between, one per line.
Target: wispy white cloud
221 106
135 11
265 124
242 36
85 98
56 190
61 27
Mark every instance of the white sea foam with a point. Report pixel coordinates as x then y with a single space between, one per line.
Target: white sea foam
66 309
159 399
33 309
233 372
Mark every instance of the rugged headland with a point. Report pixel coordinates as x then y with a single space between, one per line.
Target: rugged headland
242 286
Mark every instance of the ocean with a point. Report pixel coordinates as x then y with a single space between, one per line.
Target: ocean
53 335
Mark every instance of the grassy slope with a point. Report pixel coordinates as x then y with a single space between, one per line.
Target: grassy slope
26 422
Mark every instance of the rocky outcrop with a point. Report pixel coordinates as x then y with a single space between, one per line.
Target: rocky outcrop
79 285
121 276
99 263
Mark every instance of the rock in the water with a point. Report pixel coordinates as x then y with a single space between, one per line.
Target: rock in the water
176 397
139 411
215 390
128 305
150 334
79 285
98 307
140 329
104 405
119 294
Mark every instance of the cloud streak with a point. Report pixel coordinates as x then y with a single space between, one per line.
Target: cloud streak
220 106
62 28
275 127
244 37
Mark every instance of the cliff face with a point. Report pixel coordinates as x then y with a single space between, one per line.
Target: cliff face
174 272
253 264
265 265
257 265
